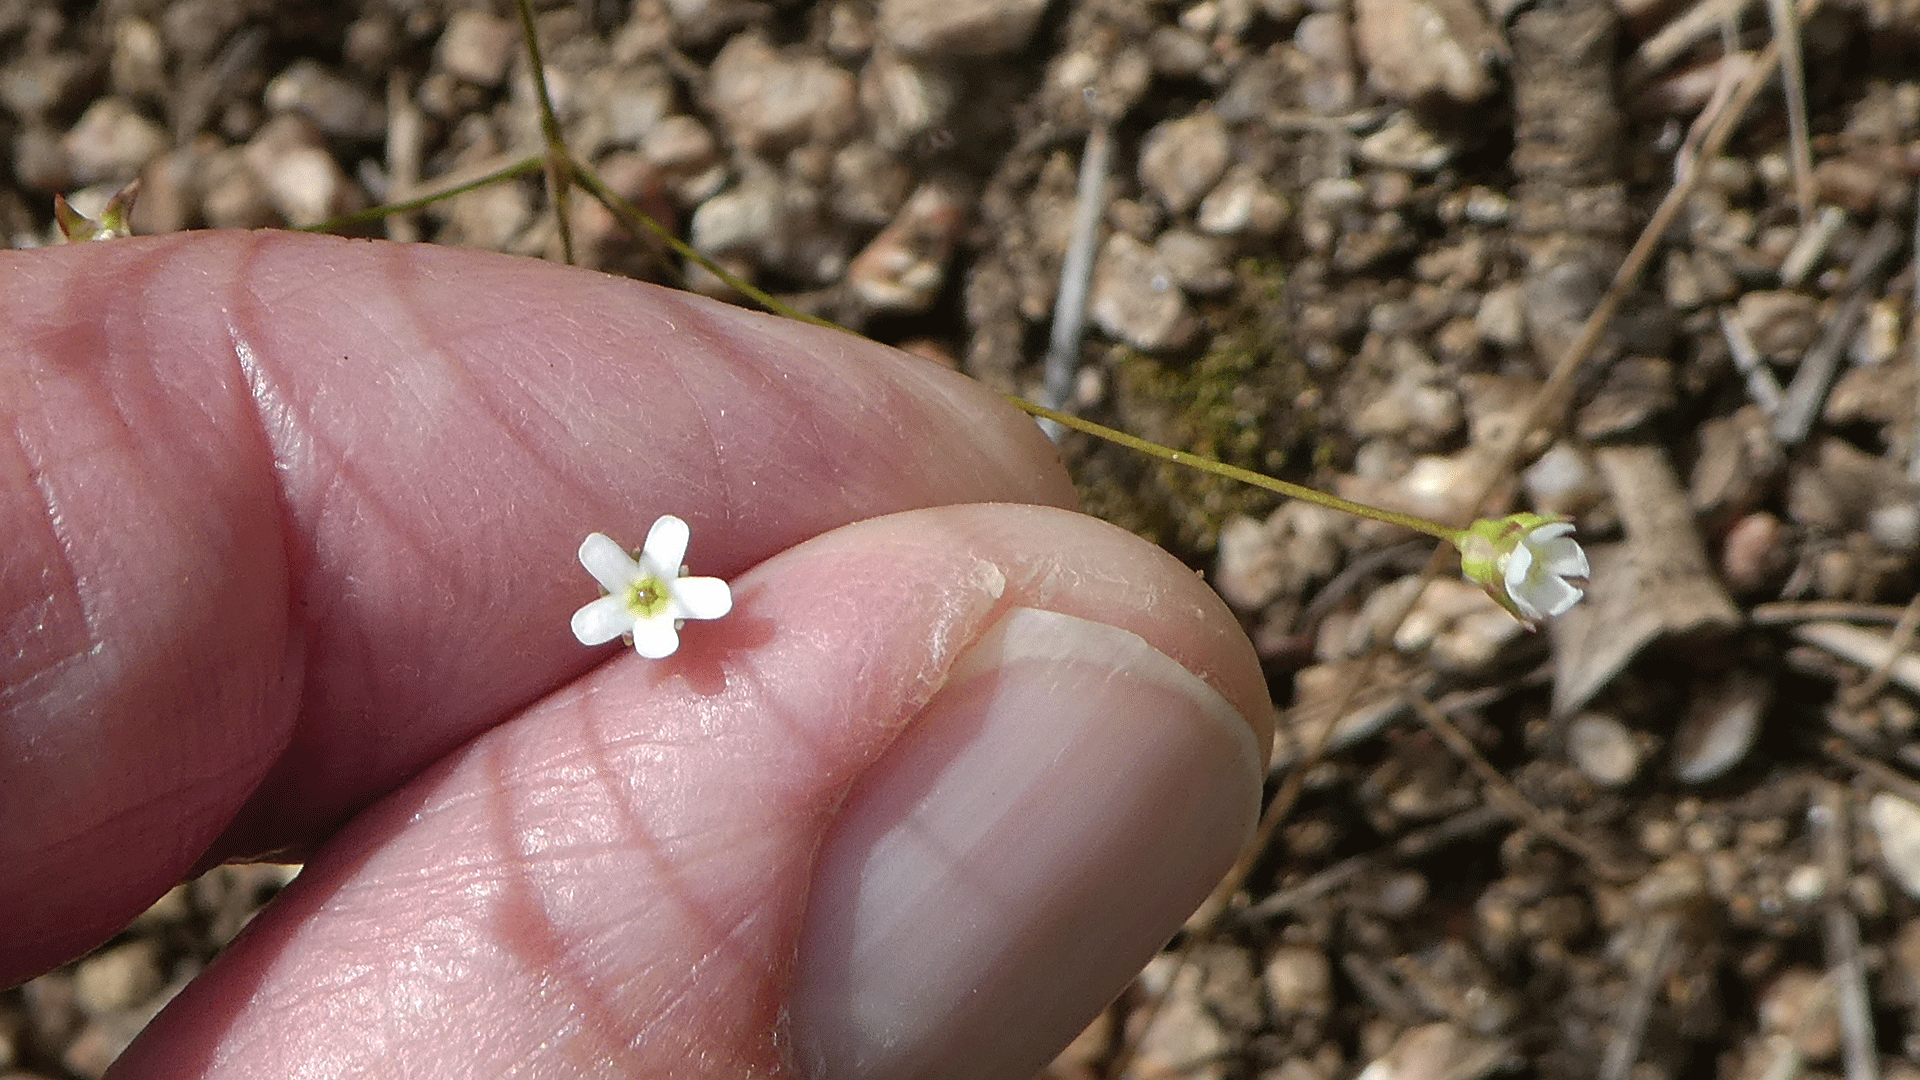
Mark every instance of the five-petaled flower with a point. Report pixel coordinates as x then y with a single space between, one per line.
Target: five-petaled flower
648 594
1530 564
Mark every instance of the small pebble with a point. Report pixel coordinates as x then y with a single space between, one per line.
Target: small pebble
301 177
1435 1050
1563 481
112 141
1799 1004
1403 143
1782 324
118 978
1299 983
959 28
1719 727
1416 48
773 99
1897 824
904 268
335 105
1136 299
1324 42
1242 204
1754 552
477 46
1603 749
1181 159
1199 263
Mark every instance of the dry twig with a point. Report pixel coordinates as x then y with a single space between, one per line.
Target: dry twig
1827 820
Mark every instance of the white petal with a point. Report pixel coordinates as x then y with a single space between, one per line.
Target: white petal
1549 531
1567 560
701 597
656 638
666 545
1519 565
602 621
1554 596
612 567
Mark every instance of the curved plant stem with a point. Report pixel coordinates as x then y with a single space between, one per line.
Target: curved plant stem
1235 472
420 202
558 160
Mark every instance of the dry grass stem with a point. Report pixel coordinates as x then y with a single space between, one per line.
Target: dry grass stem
1808 391
1519 805
1827 820
1786 31
1762 387
1076 272
1898 643
1636 1006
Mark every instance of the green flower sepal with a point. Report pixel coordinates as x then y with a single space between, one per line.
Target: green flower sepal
112 223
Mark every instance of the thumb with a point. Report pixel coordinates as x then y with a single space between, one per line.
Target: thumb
918 807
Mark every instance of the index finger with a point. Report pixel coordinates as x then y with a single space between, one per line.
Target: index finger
294 516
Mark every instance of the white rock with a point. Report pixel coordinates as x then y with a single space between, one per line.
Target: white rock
119 978
1198 263
1248 572
1299 982
687 157
869 184
335 105
1417 48
631 101
1324 43
111 141
1563 481
738 219
477 47
905 100
1404 143
1181 159
1243 204
300 176
905 267
770 100
1897 823
138 66
1433 1051
1798 1004
1720 726
1602 748
957 28
1135 298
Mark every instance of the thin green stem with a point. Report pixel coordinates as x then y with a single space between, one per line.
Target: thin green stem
1235 472
636 221
421 202
559 163
571 171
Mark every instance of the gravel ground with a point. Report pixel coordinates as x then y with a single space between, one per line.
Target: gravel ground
1345 243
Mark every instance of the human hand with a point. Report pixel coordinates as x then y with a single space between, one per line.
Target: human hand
290 531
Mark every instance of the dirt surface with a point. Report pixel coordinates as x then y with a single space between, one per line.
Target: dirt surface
1343 243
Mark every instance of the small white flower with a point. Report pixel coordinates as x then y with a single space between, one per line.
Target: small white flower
1541 570
1530 564
649 596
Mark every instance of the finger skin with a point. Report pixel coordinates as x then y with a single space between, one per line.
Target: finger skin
290 518
613 883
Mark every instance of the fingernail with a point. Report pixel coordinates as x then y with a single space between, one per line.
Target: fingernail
1069 796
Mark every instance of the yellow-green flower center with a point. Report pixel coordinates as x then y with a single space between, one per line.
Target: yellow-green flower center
648 597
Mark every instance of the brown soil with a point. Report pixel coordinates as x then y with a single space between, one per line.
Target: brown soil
1346 244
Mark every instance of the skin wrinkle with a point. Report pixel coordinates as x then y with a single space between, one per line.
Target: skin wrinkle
58 657
529 928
